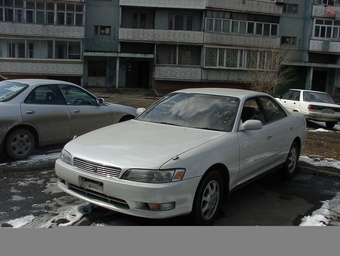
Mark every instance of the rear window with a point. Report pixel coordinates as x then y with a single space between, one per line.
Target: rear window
9 90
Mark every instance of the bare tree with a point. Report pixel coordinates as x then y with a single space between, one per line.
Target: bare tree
270 69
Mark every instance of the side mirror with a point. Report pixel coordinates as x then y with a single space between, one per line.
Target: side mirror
100 101
250 125
140 111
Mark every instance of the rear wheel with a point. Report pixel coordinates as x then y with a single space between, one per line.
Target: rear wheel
19 144
289 168
208 199
330 125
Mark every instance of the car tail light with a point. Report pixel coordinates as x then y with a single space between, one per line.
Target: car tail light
314 107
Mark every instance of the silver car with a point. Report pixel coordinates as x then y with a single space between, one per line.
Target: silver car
36 112
183 154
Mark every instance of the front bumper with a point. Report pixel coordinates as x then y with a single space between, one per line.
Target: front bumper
127 197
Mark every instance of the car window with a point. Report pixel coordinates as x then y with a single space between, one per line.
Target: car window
317 97
76 96
291 95
9 90
45 94
200 111
273 110
251 110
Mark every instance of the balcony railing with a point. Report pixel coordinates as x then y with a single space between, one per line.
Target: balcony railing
259 6
19 29
241 40
40 67
326 46
154 36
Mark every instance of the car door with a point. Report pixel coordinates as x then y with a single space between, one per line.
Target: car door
45 109
85 114
291 100
260 149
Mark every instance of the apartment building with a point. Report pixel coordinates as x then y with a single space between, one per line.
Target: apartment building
42 39
170 44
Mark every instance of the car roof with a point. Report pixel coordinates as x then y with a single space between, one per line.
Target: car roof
303 90
32 81
239 93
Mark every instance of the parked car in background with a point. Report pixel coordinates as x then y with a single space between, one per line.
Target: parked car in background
35 112
314 105
183 154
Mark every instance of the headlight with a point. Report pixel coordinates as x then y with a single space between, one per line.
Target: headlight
153 176
66 157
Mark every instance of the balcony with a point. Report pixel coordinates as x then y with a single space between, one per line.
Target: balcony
241 40
197 74
49 31
321 11
41 67
156 36
261 6
182 4
264 7
325 46
189 74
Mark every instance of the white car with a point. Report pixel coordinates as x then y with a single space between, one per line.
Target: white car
314 105
183 154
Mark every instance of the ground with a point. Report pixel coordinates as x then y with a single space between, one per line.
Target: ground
319 145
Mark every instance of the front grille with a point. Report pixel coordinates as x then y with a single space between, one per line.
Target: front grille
97 169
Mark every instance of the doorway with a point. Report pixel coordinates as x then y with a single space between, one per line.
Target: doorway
319 80
138 74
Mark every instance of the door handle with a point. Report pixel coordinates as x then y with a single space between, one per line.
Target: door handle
76 111
29 112
269 137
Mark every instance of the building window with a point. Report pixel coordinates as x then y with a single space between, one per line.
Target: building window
181 22
327 29
235 58
102 30
139 20
42 12
41 49
327 2
229 22
287 40
291 8
178 55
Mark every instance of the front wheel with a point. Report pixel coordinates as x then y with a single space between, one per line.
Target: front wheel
289 168
19 144
207 199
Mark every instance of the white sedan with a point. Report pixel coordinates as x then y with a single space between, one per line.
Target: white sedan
314 105
183 154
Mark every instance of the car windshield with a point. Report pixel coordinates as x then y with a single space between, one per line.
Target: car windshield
9 90
317 97
211 112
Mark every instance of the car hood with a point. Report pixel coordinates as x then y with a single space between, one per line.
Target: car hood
121 108
138 144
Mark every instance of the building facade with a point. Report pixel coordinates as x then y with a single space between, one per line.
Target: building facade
170 44
42 39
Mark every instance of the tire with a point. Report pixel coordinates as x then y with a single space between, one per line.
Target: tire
19 144
207 200
330 125
289 169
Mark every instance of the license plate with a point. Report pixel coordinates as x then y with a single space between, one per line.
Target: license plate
94 186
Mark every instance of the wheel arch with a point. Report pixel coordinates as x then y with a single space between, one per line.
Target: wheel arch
23 126
126 118
224 172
